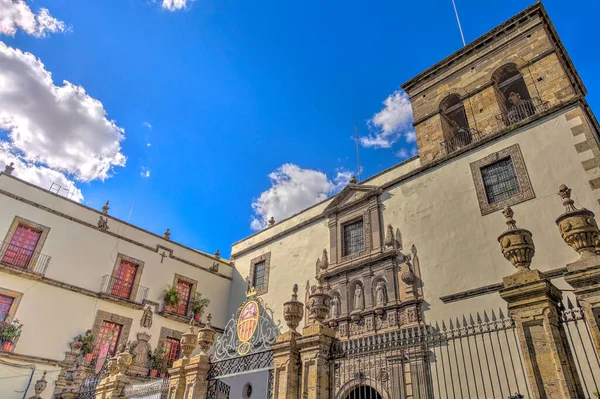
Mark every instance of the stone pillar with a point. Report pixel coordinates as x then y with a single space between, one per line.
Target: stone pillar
177 379
579 230
286 355
112 386
197 369
314 346
533 302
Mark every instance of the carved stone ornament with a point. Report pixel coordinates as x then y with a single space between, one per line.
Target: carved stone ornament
335 306
293 310
400 246
381 293
408 276
214 267
39 387
140 350
105 209
103 223
206 336
352 180
112 366
167 234
516 244
577 227
188 341
146 320
124 359
323 262
319 302
389 236
271 221
359 298
8 169
217 254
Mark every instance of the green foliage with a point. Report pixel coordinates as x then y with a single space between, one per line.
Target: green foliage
171 296
85 342
198 304
10 330
158 360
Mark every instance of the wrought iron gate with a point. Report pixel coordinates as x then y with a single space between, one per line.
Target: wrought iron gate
464 359
156 389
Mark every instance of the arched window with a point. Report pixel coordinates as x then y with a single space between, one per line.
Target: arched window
455 125
513 95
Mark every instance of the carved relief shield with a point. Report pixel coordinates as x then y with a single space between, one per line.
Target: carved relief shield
246 326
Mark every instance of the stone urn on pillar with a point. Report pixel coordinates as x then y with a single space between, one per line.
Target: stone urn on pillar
206 336
39 387
188 341
124 360
577 226
516 243
293 311
319 304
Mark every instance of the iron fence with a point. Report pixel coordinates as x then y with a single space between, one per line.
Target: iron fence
123 289
23 258
585 356
462 359
156 389
521 111
462 138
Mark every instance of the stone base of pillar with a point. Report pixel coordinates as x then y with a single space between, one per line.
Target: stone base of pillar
177 379
314 346
112 387
196 374
533 303
584 276
286 366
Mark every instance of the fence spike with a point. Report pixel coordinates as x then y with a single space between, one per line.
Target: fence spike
471 321
478 318
443 326
570 304
485 317
451 325
493 315
437 326
458 323
500 314
464 322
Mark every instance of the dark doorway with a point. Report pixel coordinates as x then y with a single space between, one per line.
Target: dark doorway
364 392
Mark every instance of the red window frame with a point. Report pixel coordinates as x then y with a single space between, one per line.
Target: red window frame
185 292
124 279
108 331
6 303
22 246
173 348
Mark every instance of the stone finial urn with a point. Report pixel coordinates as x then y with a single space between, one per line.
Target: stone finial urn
188 340
577 226
39 387
516 244
124 360
112 366
206 336
319 304
408 276
293 310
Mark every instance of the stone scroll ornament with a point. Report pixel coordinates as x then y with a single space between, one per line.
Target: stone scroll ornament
146 320
251 329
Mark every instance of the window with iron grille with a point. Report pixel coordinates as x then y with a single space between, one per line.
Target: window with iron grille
173 347
109 332
353 239
258 279
500 180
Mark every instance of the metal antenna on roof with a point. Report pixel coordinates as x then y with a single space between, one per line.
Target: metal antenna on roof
459 27
357 154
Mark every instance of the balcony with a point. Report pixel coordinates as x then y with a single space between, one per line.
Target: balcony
23 259
462 138
521 110
116 288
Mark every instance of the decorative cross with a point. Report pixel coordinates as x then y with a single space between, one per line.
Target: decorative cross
162 256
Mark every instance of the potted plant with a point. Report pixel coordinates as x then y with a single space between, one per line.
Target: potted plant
85 342
9 332
198 304
157 361
171 297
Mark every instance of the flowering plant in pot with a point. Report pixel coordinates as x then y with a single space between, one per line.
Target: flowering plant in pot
198 304
9 332
158 361
85 343
171 297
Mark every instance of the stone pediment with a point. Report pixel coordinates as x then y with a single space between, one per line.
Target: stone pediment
351 194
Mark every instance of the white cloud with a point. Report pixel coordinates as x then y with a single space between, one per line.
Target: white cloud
39 175
390 123
402 154
410 136
174 5
148 145
16 14
292 190
147 124
145 172
59 127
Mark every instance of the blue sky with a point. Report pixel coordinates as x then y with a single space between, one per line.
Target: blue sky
216 106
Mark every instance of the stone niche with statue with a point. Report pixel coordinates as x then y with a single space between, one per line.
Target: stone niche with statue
373 283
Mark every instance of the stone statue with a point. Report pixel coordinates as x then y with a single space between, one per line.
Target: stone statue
359 301
380 293
146 320
140 349
335 306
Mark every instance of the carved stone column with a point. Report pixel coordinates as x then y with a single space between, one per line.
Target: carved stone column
533 303
314 345
286 355
198 367
579 230
112 386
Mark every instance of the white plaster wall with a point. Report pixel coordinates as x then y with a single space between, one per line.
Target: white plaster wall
14 380
258 380
438 212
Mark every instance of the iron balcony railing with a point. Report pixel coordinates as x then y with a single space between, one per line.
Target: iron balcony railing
462 138
123 289
23 258
522 110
